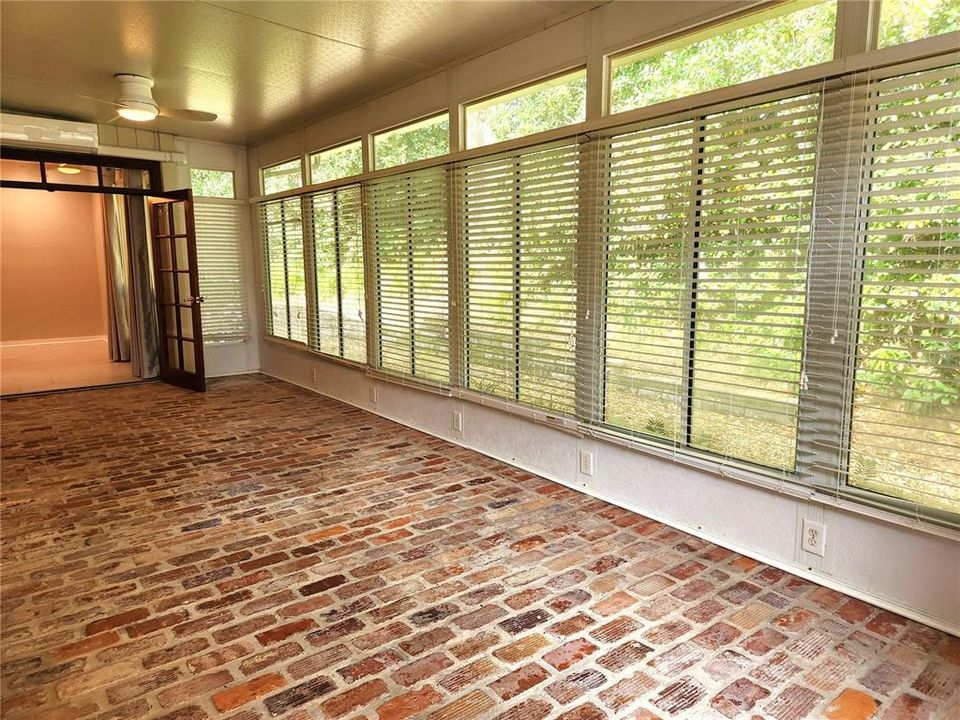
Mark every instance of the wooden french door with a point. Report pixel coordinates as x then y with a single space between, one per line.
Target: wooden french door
177 289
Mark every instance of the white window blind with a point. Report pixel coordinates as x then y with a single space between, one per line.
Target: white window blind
905 423
519 216
285 286
220 265
408 218
647 259
751 233
337 227
705 234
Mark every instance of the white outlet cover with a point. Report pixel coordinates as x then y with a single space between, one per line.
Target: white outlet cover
814 538
458 421
586 462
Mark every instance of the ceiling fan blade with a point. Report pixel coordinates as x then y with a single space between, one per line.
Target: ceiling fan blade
99 100
183 114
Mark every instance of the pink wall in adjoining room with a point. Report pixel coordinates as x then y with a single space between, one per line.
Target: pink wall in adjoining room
52 268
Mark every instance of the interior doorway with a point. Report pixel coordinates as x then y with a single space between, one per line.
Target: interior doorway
87 250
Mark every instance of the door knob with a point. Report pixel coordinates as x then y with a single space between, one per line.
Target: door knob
195 300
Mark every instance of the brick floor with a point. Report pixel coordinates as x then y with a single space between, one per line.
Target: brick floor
260 552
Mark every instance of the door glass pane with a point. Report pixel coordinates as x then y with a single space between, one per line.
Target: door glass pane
189 361
179 218
167 294
173 355
186 322
183 284
163 224
170 318
183 258
165 259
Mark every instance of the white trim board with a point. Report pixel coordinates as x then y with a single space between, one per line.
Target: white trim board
52 341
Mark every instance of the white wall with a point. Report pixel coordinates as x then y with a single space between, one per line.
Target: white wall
912 570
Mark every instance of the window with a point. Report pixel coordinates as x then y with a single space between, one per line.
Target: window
903 21
905 424
339 162
285 291
707 228
409 215
285 176
220 264
544 106
212 183
519 249
790 36
338 265
417 141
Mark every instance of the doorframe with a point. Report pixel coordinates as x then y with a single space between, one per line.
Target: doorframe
152 167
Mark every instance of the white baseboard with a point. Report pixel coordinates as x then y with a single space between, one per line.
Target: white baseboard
52 341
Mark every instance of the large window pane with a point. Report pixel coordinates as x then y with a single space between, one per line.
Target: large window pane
336 163
544 106
520 237
338 258
285 176
791 36
903 21
647 279
905 433
285 291
755 202
417 141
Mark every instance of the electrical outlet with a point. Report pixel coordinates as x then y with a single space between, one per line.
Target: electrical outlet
814 538
373 393
316 377
458 421
586 462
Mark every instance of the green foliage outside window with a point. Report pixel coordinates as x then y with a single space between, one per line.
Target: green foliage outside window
212 183
336 163
797 35
547 105
285 176
903 21
418 141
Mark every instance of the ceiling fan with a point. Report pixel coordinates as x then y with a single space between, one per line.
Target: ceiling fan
135 102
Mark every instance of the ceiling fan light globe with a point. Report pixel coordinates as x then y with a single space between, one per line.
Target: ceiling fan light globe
137 112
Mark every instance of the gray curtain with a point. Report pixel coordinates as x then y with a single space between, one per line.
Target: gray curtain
131 306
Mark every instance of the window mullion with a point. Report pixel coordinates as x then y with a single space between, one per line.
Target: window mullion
310 271
693 268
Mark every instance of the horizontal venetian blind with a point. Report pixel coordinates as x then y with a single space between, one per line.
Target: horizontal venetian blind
905 422
756 169
220 265
285 287
518 218
647 210
407 214
337 233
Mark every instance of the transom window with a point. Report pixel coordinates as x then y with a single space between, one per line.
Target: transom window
212 183
409 143
282 176
337 162
544 106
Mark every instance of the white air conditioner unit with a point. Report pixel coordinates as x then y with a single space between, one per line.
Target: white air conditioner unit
38 132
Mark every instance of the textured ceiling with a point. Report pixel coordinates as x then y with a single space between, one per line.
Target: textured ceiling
260 66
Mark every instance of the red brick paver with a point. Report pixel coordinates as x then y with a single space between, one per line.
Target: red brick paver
261 552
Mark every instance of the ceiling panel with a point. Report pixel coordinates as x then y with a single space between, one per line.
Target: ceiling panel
261 66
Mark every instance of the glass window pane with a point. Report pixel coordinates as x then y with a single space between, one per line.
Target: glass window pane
71 174
417 141
285 176
212 183
338 162
20 170
551 104
903 21
791 36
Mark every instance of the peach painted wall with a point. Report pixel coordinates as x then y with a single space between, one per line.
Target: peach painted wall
52 269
